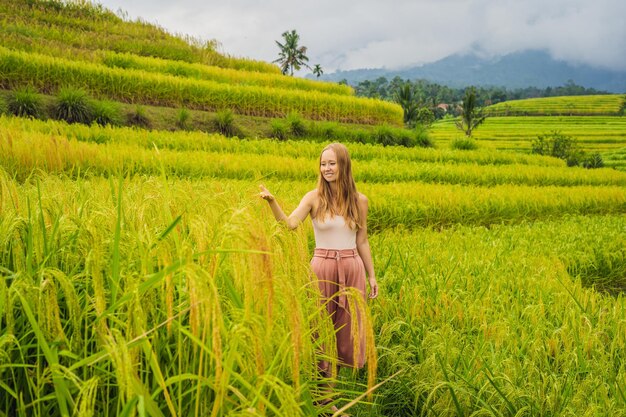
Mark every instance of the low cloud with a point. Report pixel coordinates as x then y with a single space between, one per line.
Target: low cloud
371 33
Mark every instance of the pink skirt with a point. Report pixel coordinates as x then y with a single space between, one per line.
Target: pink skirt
337 269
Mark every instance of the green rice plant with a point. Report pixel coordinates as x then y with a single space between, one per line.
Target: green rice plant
139 118
3 106
464 144
475 318
279 129
384 135
106 112
183 118
296 125
224 122
326 130
73 105
118 61
25 102
422 138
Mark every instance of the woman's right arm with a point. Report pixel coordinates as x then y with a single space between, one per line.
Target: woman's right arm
297 216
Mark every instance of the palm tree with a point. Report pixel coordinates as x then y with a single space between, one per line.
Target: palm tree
405 97
291 56
317 70
471 116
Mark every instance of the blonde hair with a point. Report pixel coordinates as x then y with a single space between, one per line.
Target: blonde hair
346 200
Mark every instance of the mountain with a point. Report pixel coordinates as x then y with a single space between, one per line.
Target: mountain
517 70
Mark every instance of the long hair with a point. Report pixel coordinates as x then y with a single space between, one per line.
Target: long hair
345 202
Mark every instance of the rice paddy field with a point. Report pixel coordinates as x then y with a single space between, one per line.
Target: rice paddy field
593 105
145 279
593 133
142 275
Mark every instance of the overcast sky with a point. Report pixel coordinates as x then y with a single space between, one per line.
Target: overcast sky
350 34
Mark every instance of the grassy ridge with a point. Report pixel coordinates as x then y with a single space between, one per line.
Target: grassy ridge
52 26
221 75
612 104
184 69
48 74
24 152
196 141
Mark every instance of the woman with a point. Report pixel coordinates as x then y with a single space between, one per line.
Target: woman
342 254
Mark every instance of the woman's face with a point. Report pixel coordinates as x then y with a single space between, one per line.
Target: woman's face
328 165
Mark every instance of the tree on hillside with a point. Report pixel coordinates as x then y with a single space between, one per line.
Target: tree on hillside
317 70
406 98
471 115
291 56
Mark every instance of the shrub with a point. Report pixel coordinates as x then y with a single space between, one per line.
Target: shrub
280 129
224 122
139 118
25 102
405 138
421 137
554 144
327 130
73 106
383 135
389 136
183 118
464 144
106 113
362 136
425 116
558 145
296 124
593 161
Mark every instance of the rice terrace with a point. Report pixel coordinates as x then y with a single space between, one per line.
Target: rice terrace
142 275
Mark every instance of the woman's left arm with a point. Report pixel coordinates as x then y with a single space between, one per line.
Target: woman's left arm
363 247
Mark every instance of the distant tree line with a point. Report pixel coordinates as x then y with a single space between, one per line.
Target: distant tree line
444 100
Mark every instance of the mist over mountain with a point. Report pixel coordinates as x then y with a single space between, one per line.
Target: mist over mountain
516 70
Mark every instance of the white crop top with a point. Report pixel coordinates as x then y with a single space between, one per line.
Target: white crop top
334 233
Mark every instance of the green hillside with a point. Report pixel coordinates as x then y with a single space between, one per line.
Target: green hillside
142 275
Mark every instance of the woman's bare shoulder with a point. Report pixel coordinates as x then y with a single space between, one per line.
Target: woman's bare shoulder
311 195
362 198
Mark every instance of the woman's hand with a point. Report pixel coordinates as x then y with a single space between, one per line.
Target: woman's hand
373 288
265 194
